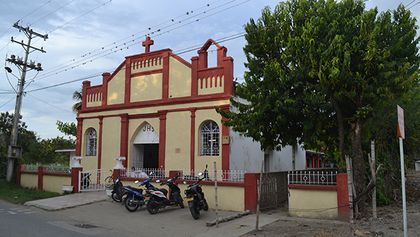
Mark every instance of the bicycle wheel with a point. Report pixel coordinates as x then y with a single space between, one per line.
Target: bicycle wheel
109 181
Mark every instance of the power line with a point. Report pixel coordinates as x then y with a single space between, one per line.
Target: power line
48 103
7 102
182 51
54 11
125 45
414 5
89 57
63 83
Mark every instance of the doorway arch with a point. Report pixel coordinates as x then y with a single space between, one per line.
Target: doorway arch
145 148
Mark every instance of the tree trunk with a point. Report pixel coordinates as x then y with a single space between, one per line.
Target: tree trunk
340 123
358 164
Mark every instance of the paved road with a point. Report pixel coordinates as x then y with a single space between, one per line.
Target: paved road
108 218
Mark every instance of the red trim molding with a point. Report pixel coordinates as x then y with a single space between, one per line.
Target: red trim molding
100 142
162 138
225 146
41 171
79 136
75 178
124 138
313 187
127 94
165 77
86 85
105 79
192 139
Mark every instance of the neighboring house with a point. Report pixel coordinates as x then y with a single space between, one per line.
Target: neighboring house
158 111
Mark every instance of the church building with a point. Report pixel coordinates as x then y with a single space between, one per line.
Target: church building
159 111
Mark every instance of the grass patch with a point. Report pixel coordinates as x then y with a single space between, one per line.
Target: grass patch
16 194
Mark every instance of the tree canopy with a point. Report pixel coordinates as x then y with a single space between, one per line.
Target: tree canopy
318 70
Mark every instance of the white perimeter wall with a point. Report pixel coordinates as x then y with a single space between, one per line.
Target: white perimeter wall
245 154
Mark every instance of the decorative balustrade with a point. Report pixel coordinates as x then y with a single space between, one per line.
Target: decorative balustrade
146 64
222 175
94 96
312 177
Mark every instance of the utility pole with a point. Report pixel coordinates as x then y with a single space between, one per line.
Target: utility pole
14 151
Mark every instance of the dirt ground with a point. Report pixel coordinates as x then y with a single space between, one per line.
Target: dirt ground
388 223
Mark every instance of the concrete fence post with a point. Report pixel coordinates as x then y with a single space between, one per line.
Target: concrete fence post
75 182
41 171
343 196
251 194
19 173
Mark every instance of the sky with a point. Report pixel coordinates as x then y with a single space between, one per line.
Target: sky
87 38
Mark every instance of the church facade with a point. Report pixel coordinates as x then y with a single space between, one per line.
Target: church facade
159 111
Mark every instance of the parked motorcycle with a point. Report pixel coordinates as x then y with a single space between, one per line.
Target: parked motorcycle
159 198
118 190
195 196
134 198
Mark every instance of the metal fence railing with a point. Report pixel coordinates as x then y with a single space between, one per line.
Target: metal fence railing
312 177
55 168
222 175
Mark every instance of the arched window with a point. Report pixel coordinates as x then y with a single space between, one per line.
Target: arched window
90 138
209 139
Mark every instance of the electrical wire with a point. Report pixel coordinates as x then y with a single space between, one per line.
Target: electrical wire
175 19
7 102
185 50
63 83
48 103
54 11
124 46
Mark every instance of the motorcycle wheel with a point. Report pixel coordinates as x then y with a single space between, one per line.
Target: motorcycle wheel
116 197
152 207
194 210
130 205
205 205
180 201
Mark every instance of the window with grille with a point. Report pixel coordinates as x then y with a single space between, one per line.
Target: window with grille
209 136
91 142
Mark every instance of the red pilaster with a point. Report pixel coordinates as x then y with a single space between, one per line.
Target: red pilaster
124 138
105 78
343 196
225 147
127 93
101 118
116 173
41 171
162 138
192 140
228 74
202 59
75 178
250 182
165 76
86 84
194 76
79 136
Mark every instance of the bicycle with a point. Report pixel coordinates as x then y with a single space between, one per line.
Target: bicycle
109 181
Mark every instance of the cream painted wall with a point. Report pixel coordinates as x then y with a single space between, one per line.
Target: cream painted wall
147 87
116 88
178 127
203 90
94 104
313 203
179 79
156 108
229 198
55 183
29 180
89 162
201 161
133 127
110 142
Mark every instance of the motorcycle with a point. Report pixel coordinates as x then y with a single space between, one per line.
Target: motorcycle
118 190
133 197
159 198
195 196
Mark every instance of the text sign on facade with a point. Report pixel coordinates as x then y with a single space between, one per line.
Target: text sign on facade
400 128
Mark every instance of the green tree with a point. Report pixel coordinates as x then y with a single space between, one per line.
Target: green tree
317 70
77 96
68 128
